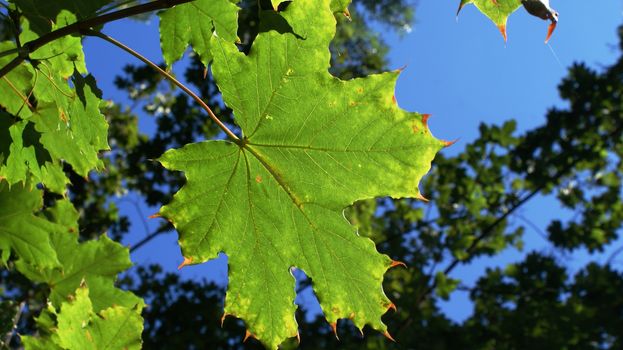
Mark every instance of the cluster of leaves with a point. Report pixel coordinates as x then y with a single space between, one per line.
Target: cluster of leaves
53 131
53 128
477 199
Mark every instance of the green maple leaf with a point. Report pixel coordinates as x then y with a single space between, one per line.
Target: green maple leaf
97 262
80 326
23 160
78 135
497 11
23 232
313 145
193 23
60 57
16 86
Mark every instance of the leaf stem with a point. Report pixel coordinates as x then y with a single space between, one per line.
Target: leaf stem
86 24
169 77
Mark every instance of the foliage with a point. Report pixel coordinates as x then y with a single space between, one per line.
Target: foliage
53 126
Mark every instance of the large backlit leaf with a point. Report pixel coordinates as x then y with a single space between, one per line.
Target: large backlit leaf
313 145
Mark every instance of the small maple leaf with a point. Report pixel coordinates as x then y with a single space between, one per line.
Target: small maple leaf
498 11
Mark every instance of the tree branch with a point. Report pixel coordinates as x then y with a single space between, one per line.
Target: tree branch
169 77
84 25
146 240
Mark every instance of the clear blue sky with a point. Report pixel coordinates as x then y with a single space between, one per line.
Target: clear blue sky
463 73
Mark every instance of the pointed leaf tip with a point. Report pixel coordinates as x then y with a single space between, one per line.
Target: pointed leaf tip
502 28
186 262
425 118
298 337
154 216
392 306
395 263
550 31
334 328
247 335
347 14
449 143
419 196
389 336
225 314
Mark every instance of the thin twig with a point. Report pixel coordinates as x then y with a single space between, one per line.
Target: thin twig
16 319
614 255
86 24
146 240
536 228
138 209
169 77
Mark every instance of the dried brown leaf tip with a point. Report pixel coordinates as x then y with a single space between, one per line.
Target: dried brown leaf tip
502 28
334 328
449 143
392 306
419 196
389 336
225 314
347 14
186 262
248 335
425 118
395 263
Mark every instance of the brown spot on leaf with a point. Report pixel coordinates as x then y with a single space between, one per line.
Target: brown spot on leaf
258 179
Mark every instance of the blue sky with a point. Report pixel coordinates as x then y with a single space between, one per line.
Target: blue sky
461 72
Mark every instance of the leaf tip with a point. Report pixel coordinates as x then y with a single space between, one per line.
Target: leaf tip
550 31
425 118
154 216
449 143
395 263
225 314
186 262
334 328
401 69
389 336
502 28
419 196
247 335
346 14
392 306
458 11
